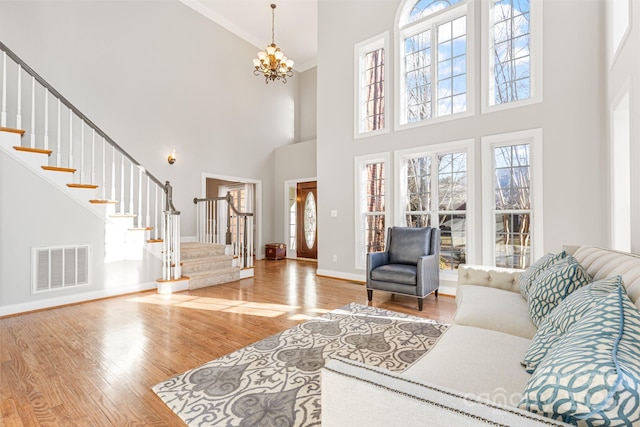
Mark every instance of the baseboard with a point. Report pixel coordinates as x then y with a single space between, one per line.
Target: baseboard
447 290
342 275
9 310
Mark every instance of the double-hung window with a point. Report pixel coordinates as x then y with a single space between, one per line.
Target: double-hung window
435 51
372 185
434 192
512 191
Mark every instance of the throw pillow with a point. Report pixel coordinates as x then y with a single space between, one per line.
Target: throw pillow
564 316
528 276
592 375
553 285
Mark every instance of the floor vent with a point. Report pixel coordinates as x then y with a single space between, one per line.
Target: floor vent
60 267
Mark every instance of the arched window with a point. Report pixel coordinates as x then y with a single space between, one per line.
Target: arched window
435 66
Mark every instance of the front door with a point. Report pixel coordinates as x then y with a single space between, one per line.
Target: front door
307 229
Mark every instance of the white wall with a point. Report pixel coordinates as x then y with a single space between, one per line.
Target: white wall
572 117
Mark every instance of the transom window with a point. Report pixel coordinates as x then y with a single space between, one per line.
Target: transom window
434 39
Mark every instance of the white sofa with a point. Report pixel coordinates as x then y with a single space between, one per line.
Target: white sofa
473 375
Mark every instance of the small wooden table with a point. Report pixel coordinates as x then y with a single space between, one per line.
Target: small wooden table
275 250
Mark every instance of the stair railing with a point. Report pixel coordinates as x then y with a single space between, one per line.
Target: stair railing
75 144
237 232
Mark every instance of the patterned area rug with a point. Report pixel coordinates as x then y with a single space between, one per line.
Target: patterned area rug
276 381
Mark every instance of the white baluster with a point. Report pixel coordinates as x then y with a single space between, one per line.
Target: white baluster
122 203
147 219
104 175
46 119
3 117
93 156
19 113
156 214
59 135
113 173
70 138
82 180
33 112
139 221
131 208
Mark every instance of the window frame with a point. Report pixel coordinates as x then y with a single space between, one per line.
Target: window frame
536 58
467 146
488 144
402 31
359 164
380 41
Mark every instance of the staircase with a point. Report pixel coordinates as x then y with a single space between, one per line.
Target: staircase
206 264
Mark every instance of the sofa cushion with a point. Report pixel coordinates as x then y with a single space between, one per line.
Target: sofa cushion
408 244
553 285
475 361
494 309
564 316
397 273
529 275
593 372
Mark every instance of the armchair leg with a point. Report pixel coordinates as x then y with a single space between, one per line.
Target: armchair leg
420 303
369 294
436 293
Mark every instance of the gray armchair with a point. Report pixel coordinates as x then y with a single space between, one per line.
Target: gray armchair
410 265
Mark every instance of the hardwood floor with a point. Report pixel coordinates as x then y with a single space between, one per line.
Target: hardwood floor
93 364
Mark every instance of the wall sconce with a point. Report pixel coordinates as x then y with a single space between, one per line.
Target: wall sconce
172 157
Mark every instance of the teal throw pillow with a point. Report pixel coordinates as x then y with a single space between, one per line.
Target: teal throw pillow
528 276
592 375
564 316
553 285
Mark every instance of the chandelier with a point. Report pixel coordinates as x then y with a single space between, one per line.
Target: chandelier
271 62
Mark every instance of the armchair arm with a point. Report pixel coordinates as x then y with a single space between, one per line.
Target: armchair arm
427 274
493 277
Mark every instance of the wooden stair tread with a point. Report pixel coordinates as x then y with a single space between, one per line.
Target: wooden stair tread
32 150
90 186
140 228
12 130
155 241
102 202
58 169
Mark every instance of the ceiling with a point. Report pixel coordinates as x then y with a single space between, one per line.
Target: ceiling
296 25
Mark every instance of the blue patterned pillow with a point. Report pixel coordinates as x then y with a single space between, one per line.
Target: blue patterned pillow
564 316
553 285
528 276
592 375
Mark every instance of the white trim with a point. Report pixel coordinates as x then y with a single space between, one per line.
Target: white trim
8 310
288 184
533 137
257 211
359 50
613 48
342 275
464 8
536 57
359 163
620 166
